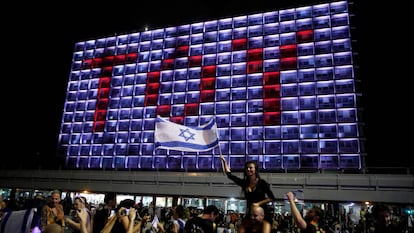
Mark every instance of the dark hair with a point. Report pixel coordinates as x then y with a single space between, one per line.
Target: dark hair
81 199
127 203
211 208
315 211
179 209
109 196
376 209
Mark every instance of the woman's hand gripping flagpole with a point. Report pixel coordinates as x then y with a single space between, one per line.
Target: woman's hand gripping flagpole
225 166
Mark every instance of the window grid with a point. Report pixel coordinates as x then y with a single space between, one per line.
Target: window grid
280 85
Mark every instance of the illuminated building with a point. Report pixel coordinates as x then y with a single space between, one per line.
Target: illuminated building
281 85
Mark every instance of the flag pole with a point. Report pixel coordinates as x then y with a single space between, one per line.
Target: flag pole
221 154
221 160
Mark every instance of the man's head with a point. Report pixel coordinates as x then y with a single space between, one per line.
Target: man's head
314 214
55 197
178 212
382 214
257 214
110 199
211 212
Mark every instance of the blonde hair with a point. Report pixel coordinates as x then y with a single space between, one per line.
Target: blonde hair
56 191
3 204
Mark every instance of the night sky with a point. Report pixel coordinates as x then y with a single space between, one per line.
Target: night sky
38 43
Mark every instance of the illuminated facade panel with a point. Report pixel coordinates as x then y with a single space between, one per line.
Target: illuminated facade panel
280 84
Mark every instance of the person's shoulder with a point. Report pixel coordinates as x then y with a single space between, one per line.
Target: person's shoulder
45 207
177 222
197 225
101 212
265 222
263 181
204 222
194 220
395 228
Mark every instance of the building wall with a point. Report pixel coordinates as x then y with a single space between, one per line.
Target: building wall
281 86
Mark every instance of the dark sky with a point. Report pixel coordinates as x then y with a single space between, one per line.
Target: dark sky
38 42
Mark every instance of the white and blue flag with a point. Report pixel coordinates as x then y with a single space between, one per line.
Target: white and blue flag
173 136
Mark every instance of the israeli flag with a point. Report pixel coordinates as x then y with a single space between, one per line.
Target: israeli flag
172 136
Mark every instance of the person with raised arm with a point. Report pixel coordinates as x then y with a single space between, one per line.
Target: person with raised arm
256 190
311 222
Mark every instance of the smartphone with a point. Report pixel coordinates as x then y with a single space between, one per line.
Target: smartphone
93 210
126 211
112 213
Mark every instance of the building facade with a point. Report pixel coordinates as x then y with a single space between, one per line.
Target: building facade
281 86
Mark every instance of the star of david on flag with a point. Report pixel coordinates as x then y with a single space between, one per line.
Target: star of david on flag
173 136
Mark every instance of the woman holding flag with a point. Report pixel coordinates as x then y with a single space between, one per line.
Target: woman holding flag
256 190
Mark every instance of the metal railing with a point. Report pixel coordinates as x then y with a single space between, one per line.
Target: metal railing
394 188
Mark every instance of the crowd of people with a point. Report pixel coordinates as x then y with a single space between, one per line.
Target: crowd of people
130 217
55 215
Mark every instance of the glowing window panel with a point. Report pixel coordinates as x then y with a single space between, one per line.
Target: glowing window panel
280 85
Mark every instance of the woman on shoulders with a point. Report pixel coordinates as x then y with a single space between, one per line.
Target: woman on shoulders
256 190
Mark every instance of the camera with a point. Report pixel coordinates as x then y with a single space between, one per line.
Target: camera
73 213
125 212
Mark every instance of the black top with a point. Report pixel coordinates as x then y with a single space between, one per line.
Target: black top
258 194
311 228
199 225
99 220
388 229
118 227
